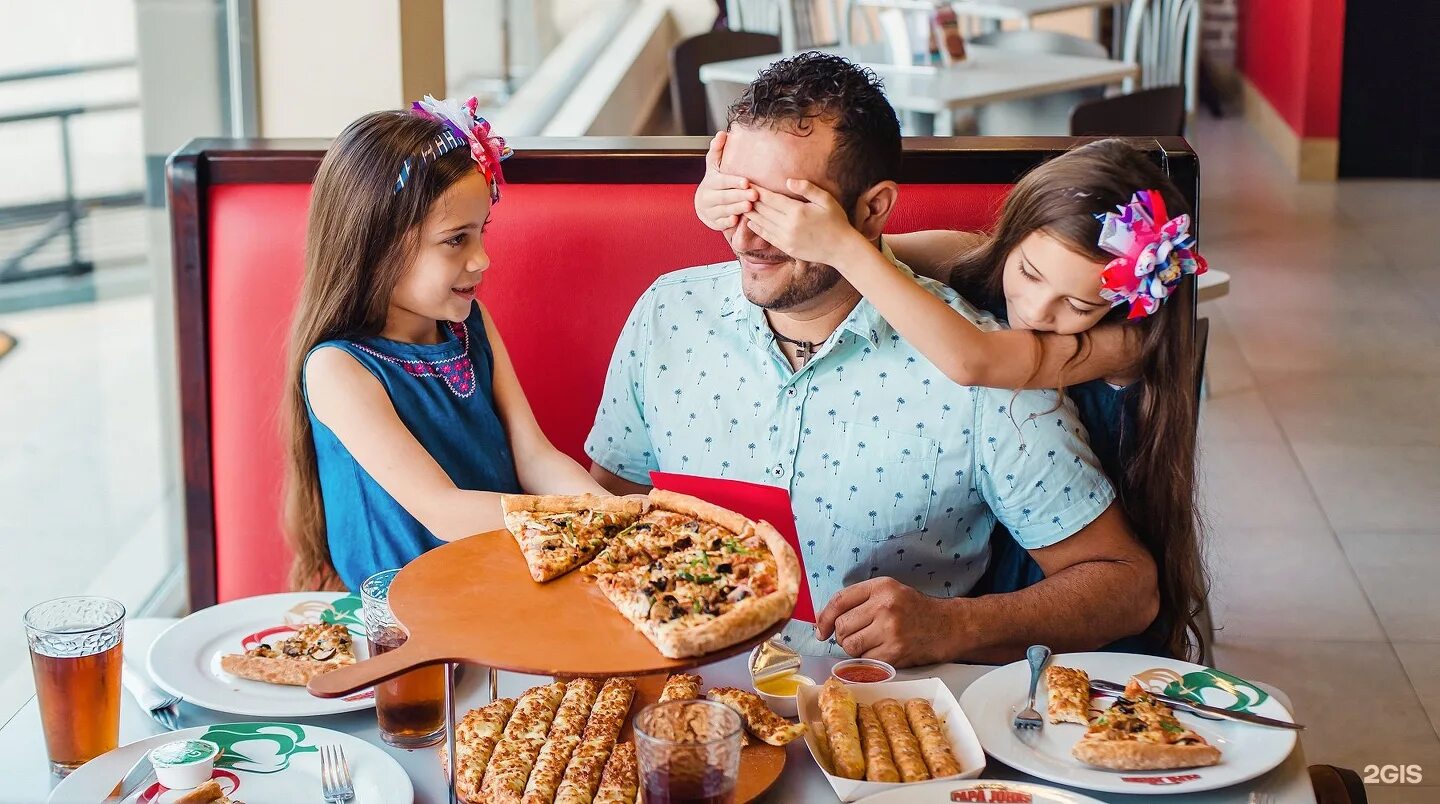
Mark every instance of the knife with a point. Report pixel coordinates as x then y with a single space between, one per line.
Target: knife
1111 688
136 778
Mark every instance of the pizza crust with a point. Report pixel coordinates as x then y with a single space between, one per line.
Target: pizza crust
1141 756
562 504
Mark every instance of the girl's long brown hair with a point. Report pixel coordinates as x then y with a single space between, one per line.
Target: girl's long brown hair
1157 490
359 242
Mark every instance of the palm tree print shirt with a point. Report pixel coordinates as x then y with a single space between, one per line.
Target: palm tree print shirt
892 469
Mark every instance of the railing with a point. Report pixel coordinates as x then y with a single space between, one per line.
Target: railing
65 214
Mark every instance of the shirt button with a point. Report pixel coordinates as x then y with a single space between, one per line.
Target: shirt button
778 470
790 391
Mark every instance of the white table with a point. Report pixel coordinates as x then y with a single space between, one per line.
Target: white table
988 75
1025 11
28 780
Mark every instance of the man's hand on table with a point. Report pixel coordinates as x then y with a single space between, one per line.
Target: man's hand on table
884 619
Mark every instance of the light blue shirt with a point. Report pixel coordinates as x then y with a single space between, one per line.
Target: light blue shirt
892 469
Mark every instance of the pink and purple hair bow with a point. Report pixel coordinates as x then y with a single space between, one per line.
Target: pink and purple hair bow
463 126
1152 254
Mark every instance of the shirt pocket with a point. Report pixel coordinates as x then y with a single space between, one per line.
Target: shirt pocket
890 477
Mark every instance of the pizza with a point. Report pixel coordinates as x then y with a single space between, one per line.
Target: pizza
1139 733
556 534
313 650
1069 694
713 578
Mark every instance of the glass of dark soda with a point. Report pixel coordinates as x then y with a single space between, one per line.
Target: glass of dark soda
689 752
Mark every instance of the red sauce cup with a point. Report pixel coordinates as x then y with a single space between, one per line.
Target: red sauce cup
862 671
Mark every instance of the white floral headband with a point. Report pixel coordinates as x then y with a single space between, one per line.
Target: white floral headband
463 126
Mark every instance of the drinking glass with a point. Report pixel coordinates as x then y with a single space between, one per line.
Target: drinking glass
410 707
75 652
688 751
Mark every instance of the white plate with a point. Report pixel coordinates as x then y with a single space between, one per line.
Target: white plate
260 763
980 791
962 738
185 659
1246 751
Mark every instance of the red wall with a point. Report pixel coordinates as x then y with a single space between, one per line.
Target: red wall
1291 51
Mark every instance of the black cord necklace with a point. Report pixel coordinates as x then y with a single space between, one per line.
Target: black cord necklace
804 350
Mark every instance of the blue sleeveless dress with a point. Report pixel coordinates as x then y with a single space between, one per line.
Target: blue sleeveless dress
444 393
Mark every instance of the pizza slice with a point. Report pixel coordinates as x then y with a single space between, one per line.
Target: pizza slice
556 534
1138 733
1069 694
315 649
700 597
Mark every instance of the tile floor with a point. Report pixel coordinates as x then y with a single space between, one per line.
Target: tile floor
1321 454
1321 457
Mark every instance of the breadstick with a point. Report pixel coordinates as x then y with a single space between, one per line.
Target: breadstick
681 687
582 775
879 767
620 782
837 709
933 745
756 716
475 738
560 743
524 737
903 746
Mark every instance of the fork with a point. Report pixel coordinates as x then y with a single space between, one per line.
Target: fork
1030 719
335 784
160 705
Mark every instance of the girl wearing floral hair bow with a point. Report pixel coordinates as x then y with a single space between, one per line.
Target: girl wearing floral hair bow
1088 248
405 419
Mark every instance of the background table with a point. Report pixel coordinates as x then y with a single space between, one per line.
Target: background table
988 75
28 777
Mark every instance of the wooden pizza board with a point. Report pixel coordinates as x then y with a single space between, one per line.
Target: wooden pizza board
473 600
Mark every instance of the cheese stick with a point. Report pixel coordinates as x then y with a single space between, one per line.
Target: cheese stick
582 775
933 745
681 687
838 710
822 746
560 743
904 748
879 767
519 747
475 738
620 782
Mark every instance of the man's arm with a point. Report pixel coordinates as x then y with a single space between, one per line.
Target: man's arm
1099 586
614 483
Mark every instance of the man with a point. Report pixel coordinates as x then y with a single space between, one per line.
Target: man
774 370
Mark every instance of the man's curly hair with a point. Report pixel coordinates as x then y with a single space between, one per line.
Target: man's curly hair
792 92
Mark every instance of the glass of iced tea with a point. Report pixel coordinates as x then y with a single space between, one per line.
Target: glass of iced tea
75 651
410 707
688 751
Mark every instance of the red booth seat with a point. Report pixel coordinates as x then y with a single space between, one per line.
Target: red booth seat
569 259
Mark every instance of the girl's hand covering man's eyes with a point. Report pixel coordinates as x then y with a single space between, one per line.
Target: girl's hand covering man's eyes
721 199
815 229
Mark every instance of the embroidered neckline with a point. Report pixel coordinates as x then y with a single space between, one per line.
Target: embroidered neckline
458 371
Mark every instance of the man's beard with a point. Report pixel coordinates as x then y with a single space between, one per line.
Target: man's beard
808 285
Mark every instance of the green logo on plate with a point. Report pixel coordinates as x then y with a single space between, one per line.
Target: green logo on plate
258 747
345 611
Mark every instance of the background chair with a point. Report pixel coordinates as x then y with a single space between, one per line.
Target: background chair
1156 112
1048 114
688 96
1163 37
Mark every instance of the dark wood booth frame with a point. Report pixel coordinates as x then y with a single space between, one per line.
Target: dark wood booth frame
205 163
